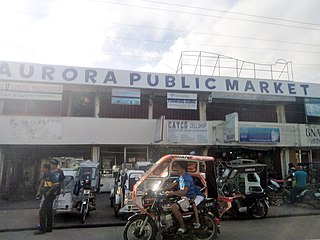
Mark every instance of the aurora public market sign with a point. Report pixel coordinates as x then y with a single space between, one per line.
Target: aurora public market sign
16 71
309 135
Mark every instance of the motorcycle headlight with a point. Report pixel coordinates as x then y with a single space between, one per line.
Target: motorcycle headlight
127 197
86 191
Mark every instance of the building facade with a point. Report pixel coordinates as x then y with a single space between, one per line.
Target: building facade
116 116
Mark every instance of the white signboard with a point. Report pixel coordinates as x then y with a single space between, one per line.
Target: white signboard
31 91
309 135
312 107
232 127
158 135
182 101
125 96
16 71
187 131
36 128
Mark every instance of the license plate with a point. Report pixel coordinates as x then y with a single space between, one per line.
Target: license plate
210 204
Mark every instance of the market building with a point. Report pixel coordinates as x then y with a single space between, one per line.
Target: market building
118 116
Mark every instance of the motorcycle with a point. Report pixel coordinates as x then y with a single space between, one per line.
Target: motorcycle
88 185
240 183
255 204
87 202
276 192
155 219
159 218
309 196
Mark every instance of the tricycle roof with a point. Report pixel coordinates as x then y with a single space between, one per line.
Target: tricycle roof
88 163
256 167
184 157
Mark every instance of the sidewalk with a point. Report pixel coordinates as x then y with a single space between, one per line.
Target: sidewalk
17 216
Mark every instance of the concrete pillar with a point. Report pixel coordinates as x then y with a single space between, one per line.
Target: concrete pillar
70 106
281 114
150 110
95 153
203 110
284 160
96 106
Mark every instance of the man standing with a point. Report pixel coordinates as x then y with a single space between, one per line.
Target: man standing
301 183
44 170
186 192
52 187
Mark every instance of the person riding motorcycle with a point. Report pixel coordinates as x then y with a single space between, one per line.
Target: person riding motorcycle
301 183
186 192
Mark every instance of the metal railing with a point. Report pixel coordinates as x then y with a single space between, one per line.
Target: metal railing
212 64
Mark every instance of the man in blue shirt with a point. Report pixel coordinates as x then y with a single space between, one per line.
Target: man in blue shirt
52 185
301 183
186 192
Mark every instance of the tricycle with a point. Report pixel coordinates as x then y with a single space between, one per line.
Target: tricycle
81 189
241 190
155 219
120 197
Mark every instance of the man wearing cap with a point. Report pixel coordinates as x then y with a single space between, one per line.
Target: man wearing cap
52 186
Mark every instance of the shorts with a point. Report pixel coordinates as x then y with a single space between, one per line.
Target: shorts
198 199
184 203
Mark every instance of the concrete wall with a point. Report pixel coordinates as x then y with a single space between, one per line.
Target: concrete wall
33 130
95 131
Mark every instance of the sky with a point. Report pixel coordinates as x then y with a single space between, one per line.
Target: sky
207 37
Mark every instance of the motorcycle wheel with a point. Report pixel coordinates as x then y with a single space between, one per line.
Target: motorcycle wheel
132 229
258 210
208 229
317 204
286 196
84 212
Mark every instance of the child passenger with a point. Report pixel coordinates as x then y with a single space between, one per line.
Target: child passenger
198 199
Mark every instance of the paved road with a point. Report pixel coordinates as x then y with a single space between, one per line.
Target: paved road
18 216
290 228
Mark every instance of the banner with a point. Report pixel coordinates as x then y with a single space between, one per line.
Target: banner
187 131
125 96
252 134
17 71
312 107
30 91
232 127
309 134
158 135
182 101
36 128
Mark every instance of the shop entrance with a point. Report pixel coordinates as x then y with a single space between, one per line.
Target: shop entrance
269 156
112 157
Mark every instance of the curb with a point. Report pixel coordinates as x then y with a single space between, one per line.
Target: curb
118 224
294 215
93 225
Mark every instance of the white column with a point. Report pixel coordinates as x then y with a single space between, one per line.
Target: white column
281 114
203 110
150 110
96 106
95 153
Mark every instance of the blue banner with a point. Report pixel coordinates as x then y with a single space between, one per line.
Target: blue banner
251 134
312 107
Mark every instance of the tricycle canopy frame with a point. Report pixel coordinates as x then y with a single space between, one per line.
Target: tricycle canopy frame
164 171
